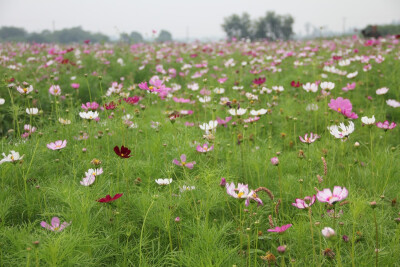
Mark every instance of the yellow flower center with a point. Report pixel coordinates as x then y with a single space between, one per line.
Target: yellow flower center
122 154
205 148
25 90
240 194
183 163
56 228
339 109
12 158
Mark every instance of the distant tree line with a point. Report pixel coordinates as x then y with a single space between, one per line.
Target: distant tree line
72 35
272 26
380 30
135 37
76 34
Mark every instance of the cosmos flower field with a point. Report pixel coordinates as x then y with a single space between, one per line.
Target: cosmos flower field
201 154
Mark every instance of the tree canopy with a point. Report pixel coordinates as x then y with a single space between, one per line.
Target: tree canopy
272 26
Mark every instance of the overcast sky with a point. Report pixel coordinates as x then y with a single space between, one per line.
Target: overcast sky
198 19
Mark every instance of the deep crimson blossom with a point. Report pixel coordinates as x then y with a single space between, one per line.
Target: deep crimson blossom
123 153
110 105
108 198
296 85
132 100
259 81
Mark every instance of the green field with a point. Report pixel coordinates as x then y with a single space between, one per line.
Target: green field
161 101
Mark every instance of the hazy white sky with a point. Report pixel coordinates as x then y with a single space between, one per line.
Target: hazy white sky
200 18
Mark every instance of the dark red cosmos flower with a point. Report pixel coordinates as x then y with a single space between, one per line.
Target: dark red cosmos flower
294 84
108 198
123 153
110 105
259 81
132 100
86 41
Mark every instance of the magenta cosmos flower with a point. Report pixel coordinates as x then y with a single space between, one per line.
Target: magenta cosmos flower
55 225
183 162
338 194
57 145
275 161
304 203
280 229
91 106
385 125
309 140
204 148
343 106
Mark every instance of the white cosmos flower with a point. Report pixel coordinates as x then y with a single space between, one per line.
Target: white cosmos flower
25 90
186 188
209 127
344 62
250 96
205 99
94 172
219 91
328 232
382 91
258 112
237 87
342 130
352 75
237 112
311 107
327 85
32 111
313 87
278 88
393 103
89 115
2 101
64 121
12 157
165 181
265 90
86 181
368 121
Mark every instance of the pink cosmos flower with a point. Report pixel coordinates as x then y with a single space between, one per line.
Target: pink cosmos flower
55 90
251 119
343 106
338 194
180 100
57 145
223 122
91 106
385 125
222 80
280 229
349 86
55 225
274 161
309 140
304 203
204 148
183 162
75 85
223 182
